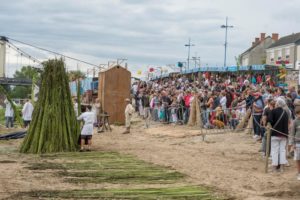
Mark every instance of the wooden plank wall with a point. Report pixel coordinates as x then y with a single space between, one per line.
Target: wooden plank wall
114 88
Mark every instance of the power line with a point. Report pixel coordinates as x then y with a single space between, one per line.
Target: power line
23 53
53 52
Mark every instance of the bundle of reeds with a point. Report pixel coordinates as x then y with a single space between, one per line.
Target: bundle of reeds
54 127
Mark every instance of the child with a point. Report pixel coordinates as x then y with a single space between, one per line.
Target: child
87 129
295 140
234 119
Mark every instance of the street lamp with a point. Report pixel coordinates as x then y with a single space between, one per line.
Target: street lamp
189 49
226 27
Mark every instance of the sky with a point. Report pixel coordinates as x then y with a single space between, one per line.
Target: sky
148 33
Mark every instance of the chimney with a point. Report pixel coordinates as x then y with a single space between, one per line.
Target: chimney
262 36
256 40
253 43
275 36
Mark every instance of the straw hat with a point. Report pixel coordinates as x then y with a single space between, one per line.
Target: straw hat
127 100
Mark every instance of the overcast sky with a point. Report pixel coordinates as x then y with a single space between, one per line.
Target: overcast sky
146 32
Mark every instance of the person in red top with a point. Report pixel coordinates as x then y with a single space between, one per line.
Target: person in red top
259 79
187 102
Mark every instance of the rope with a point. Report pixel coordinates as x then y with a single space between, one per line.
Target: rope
290 136
55 53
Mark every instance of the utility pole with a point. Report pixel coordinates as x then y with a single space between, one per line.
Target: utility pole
111 63
196 58
226 28
121 60
189 49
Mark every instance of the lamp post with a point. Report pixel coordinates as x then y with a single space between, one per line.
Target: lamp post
226 28
189 49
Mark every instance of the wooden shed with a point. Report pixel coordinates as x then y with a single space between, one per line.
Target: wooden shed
114 87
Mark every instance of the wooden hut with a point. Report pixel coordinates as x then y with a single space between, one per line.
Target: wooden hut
114 87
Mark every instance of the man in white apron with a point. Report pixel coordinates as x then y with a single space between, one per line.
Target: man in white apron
9 114
128 114
27 113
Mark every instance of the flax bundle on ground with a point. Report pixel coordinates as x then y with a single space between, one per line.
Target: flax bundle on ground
245 121
195 113
54 127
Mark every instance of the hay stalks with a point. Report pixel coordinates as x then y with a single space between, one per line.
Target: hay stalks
54 125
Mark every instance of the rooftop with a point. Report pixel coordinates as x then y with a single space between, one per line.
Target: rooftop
253 46
290 39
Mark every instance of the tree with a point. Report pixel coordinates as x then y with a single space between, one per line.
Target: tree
238 60
75 75
26 72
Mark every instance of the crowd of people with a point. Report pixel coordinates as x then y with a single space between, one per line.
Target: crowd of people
227 102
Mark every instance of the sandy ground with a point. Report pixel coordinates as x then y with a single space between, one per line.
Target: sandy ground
228 162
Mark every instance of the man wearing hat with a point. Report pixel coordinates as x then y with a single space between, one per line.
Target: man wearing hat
128 114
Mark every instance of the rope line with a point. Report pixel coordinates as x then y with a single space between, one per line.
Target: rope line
56 53
290 136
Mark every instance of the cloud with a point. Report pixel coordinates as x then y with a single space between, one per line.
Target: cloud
146 32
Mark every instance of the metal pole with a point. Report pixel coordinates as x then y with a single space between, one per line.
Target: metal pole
199 62
268 138
226 41
189 49
189 46
226 26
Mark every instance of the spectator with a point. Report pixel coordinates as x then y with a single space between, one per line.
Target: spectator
295 141
9 114
279 120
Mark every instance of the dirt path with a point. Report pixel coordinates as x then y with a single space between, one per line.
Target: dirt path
229 162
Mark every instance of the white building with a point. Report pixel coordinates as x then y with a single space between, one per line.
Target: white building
286 49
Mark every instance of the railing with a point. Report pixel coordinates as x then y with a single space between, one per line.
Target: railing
15 81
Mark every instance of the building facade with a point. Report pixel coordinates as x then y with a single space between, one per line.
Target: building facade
287 50
256 54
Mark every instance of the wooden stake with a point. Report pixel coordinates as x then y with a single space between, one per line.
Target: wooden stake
268 132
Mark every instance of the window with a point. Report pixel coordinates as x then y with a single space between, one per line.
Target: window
272 56
245 61
287 53
279 55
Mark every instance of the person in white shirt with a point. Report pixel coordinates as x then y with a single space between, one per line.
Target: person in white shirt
223 100
128 114
27 113
87 130
75 104
9 114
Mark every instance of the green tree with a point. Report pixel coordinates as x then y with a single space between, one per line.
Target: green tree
75 75
238 60
26 72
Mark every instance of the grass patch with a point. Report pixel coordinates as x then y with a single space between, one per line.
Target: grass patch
187 192
104 167
7 161
113 168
